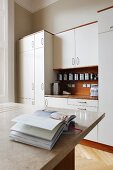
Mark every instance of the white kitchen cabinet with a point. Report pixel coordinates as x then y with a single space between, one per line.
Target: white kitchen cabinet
39 76
87 45
93 135
105 20
39 39
76 104
85 105
26 75
83 102
26 43
35 69
77 47
64 49
56 102
106 87
26 65
105 76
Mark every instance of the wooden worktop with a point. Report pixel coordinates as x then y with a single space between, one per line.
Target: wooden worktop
73 97
18 156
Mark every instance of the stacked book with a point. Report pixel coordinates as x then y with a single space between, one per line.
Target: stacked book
41 128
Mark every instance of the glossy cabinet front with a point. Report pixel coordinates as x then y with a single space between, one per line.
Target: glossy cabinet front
39 77
105 76
27 43
56 102
34 76
76 104
77 47
105 20
106 87
64 50
86 105
87 45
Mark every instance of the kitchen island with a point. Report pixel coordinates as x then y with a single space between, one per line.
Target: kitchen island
18 156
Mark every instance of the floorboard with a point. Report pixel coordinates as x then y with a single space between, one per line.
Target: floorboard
88 158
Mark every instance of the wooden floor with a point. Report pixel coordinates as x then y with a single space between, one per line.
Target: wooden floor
88 158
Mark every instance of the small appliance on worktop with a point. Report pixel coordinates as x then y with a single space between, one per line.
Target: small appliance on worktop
94 90
56 88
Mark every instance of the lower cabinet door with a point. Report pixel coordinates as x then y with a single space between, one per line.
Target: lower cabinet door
85 105
56 102
63 103
92 136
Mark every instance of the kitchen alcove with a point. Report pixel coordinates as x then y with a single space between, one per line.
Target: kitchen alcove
77 81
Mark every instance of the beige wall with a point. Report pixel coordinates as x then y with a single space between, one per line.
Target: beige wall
23 22
66 14
23 26
60 16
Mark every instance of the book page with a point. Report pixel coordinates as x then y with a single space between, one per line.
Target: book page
34 131
40 121
45 119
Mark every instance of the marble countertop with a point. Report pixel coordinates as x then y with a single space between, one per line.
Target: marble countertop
18 156
73 96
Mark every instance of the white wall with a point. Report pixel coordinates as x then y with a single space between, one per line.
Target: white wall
3 51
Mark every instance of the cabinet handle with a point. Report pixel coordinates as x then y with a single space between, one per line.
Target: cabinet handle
82 102
46 102
111 27
32 44
73 61
77 61
33 102
81 109
42 86
42 41
33 87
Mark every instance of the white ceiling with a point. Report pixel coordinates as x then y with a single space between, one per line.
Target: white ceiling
34 5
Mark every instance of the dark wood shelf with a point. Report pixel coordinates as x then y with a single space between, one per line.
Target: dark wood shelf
76 68
73 81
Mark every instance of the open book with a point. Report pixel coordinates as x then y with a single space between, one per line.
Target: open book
41 128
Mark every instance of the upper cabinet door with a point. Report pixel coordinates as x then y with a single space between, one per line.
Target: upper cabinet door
106 24
39 39
87 45
64 50
26 44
